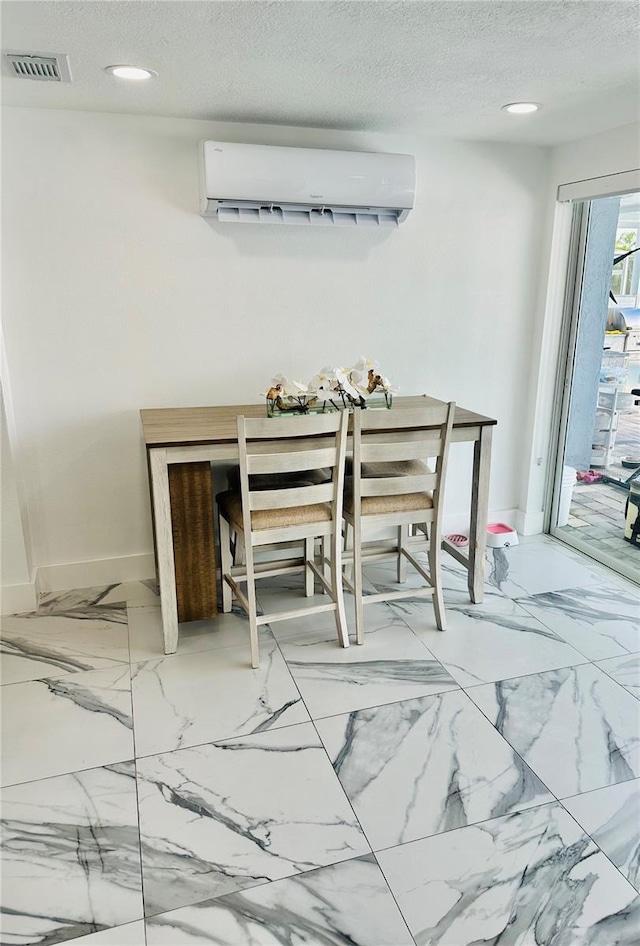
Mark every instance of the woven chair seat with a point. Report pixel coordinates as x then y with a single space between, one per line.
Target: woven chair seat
380 505
230 504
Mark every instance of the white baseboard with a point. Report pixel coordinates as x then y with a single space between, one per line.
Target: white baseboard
17 598
102 571
529 523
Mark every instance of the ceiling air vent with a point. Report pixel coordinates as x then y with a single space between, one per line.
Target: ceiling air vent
51 68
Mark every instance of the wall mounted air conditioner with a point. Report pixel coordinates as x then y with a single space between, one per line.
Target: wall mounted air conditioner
266 184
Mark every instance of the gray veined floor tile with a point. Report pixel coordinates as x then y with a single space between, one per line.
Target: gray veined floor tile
493 641
575 727
526 570
391 665
292 583
454 583
625 671
347 903
82 599
612 817
71 862
600 621
37 646
50 727
425 766
131 934
307 628
142 593
182 701
147 641
220 818
529 879
603 573
318 628
284 592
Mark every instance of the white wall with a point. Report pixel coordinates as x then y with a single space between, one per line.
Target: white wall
18 590
609 153
15 568
118 296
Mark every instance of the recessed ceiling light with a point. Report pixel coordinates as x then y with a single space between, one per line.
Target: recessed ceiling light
521 108
135 73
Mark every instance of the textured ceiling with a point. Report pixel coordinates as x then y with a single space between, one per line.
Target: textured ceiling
431 67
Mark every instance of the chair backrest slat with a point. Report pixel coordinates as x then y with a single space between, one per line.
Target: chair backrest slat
398 485
287 498
420 417
306 458
414 434
418 449
275 428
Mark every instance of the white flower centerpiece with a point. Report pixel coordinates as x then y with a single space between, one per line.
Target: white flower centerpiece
331 389
286 396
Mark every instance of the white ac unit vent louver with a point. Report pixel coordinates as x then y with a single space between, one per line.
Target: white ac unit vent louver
243 183
50 68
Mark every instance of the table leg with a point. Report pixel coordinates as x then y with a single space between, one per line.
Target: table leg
164 548
479 513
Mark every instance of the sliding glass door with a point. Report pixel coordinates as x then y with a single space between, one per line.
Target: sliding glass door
596 488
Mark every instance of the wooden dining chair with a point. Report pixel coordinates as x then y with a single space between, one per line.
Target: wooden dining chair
392 485
279 480
266 517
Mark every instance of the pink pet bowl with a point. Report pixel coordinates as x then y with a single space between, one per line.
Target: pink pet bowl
500 535
456 538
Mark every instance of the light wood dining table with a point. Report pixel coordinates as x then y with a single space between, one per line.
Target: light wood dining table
184 443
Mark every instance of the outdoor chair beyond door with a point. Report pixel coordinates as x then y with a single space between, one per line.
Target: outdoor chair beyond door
301 513
392 485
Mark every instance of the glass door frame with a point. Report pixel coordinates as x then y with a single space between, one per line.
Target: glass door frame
566 362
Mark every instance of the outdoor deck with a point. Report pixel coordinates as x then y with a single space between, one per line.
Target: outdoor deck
597 517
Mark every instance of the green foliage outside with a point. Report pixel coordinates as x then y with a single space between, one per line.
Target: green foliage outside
625 241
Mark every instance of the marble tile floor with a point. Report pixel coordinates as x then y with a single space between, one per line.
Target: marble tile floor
480 785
